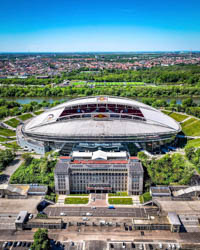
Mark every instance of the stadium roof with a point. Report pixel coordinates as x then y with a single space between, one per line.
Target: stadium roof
154 123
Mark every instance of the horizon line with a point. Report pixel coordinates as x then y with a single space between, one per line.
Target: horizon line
138 51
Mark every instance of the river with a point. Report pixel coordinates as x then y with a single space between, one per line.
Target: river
26 100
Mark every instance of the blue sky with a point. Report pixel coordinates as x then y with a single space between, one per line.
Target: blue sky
106 25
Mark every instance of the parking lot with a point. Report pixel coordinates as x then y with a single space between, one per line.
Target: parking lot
143 245
18 245
53 211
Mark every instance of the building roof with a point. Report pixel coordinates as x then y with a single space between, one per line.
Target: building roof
15 188
160 190
62 167
173 218
37 189
155 122
99 154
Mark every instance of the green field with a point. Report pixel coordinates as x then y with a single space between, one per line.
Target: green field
145 197
191 127
176 116
7 132
120 201
13 122
118 194
76 200
25 117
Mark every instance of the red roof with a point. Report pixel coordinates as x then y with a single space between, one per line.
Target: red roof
99 162
65 157
134 158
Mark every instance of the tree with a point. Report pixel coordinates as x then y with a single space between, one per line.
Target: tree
41 240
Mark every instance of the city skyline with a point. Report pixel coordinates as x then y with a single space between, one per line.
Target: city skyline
89 27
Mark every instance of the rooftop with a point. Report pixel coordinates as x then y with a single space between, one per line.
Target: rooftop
173 218
154 122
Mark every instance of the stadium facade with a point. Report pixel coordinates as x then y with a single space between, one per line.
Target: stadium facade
94 122
93 136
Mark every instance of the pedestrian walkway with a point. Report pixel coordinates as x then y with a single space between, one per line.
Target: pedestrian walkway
61 199
98 200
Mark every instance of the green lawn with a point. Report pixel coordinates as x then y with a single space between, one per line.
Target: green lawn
76 200
120 201
193 143
13 122
25 117
7 132
38 112
118 194
78 194
191 127
145 197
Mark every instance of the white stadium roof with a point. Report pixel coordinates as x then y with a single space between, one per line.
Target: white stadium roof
155 121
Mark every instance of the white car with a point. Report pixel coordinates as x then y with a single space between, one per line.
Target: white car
63 214
30 216
88 214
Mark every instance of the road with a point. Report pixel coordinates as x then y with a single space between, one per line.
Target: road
6 174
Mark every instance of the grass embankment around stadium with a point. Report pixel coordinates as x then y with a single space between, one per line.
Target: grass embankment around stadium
12 122
76 200
193 143
6 132
191 127
3 139
120 201
11 145
38 112
25 117
176 116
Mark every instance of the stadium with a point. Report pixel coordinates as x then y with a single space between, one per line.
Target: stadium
100 122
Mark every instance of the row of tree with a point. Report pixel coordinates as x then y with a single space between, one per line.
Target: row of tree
126 91
185 74
6 157
167 169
